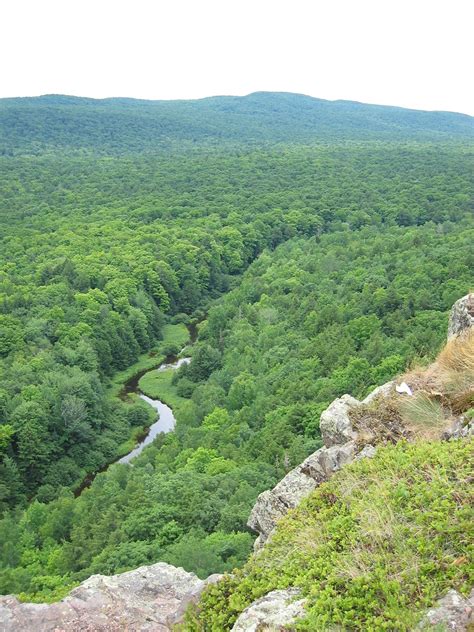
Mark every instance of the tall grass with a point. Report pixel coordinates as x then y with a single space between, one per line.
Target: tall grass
458 354
423 415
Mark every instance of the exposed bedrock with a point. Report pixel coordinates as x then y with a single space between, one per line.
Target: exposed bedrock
462 316
275 611
150 598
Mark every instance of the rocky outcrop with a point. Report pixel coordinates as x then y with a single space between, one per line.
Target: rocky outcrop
150 598
453 612
276 611
462 316
266 512
321 465
273 504
340 448
381 391
335 424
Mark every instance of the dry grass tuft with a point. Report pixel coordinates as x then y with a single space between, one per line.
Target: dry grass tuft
458 354
423 415
448 381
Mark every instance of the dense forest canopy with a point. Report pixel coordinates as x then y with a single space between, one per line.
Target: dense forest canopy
325 241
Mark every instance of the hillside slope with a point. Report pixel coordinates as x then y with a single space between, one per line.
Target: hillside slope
370 550
29 125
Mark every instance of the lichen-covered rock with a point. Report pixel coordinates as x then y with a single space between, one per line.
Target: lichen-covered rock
273 504
148 599
268 509
459 429
462 316
368 452
335 424
191 597
295 486
321 465
453 612
381 391
275 611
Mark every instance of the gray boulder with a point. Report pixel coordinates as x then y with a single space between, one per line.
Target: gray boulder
276 611
335 424
381 391
453 612
191 597
462 316
266 512
148 599
338 436
367 452
321 465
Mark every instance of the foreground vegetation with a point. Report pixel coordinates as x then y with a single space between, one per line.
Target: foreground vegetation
370 550
383 540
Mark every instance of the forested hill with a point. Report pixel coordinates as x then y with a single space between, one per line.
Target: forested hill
31 125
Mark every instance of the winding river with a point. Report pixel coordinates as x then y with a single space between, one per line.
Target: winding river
165 420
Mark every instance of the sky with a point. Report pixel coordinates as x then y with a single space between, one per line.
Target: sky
411 53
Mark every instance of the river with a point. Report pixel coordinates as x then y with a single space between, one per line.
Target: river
165 418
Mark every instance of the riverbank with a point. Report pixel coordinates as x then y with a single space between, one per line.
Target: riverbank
158 385
175 337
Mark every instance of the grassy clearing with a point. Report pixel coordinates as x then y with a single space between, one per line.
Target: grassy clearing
144 362
157 385
175 337
371 550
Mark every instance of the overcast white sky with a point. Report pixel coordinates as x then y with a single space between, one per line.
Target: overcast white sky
413 53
